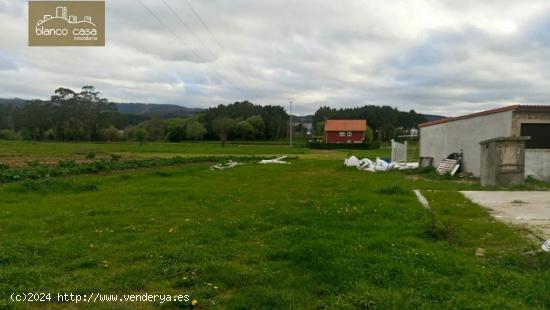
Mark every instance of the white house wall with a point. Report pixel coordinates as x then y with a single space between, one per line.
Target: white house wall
438 141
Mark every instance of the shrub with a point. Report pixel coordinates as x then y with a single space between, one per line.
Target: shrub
90 155
393 190
6 134
37 171
66 163
351 146
32 163
195 131
115 157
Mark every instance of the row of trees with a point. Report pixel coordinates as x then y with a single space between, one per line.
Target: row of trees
85 116
69 115
237 121
386 122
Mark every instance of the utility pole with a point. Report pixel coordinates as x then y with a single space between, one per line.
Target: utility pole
290 129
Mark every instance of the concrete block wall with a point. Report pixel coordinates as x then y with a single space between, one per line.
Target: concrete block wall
438 141
537 164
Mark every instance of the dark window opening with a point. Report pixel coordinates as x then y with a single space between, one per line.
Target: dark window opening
539 133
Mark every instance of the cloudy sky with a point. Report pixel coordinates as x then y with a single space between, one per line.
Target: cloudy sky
435 56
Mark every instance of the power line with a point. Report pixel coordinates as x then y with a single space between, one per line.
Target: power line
188 28
205 26
187 45
234 73
169 29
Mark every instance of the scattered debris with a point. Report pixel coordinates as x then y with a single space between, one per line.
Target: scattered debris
275 161
480 252
230 164
450 165
447 166
377 165
546 246
426 162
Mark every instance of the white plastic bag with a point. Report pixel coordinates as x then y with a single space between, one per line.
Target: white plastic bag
351 162
381 165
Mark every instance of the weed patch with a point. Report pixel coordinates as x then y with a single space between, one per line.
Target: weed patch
54 186
393 190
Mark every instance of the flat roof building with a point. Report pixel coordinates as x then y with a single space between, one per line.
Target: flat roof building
440 138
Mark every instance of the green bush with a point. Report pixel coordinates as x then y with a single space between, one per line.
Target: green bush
115 157
37 171
351 146
6 134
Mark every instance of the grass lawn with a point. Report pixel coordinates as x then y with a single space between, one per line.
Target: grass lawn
308 235
17 153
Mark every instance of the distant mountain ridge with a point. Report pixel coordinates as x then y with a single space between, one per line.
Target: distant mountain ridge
15 102
172 110
159 110
141 109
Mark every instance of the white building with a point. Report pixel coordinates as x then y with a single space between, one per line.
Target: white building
438 139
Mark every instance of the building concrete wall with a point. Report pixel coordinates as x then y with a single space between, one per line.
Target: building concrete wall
521 117
537 164
438 141
537 161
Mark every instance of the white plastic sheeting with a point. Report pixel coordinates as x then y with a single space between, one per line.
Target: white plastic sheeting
230 164
275 161
377 165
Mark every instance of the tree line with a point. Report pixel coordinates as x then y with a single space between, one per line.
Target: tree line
384 122
85 116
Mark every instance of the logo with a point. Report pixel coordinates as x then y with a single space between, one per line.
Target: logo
66 23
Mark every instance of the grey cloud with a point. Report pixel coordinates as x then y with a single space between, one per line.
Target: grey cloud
432 56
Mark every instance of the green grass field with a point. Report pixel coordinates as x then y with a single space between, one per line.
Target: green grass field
309 235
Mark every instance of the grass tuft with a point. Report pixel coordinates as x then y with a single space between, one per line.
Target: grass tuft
393 190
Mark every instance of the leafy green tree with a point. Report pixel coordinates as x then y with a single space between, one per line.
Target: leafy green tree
383 120
110 134
319 129
37 117
222 126
195 131
369 134
8 134
136 133
245 130
140 135
259 125
176 128
156 129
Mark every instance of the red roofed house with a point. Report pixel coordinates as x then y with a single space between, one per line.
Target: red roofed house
345 130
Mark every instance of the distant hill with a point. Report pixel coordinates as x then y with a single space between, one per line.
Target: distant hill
309 118
302 119
431 117
141 109
158 110
15 102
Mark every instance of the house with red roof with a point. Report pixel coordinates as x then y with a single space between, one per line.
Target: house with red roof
345 130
